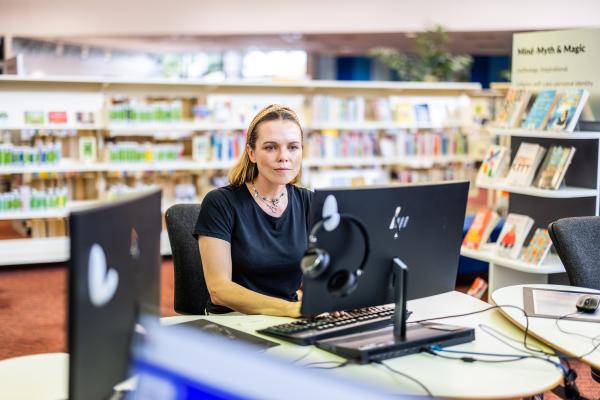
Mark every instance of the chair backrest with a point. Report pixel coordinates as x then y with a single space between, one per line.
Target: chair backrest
191 294
577 242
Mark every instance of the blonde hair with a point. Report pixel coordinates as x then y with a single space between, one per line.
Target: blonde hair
245 170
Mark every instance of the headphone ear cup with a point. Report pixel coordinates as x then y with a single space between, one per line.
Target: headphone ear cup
314 262
342 283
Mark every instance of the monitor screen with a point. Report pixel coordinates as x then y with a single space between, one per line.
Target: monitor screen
114 274
421 224
186 363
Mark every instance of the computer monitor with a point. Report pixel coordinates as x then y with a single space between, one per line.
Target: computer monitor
421 224
185 363
114 274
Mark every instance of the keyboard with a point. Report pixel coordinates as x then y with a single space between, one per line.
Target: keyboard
307 331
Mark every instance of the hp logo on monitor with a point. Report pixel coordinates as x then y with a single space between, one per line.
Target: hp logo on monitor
398 222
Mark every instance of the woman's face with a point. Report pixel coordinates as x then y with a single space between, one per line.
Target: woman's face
278 151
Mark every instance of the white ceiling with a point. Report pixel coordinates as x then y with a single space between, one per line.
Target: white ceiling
327 26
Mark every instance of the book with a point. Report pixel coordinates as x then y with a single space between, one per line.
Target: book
87 149
540 111
495 163
568 108
422 113
538 247
484 222
201 150
57 117
511 108
513 234
478 288
554 167
525 164
34 117
404 113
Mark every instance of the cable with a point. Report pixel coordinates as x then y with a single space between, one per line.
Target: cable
434 349
302 357
592 339
339 365
486 328
526 331
513 357
406 376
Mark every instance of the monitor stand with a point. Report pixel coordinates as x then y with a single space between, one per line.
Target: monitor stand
397 340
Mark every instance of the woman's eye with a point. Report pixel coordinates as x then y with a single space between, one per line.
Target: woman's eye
294 147
269 147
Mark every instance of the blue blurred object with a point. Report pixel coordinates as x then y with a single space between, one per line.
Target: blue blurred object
468 265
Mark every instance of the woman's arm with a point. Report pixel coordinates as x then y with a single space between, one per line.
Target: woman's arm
216 263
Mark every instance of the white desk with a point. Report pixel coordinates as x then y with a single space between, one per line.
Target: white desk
38 376
446 378
545 329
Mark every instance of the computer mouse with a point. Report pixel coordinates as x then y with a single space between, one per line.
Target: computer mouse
588 303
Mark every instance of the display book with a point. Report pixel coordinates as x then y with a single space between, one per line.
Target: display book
552 109
511 239
522 171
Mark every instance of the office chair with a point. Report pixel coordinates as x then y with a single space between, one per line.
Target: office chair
576 242
190 294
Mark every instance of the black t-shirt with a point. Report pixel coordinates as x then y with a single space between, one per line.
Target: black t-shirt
265 250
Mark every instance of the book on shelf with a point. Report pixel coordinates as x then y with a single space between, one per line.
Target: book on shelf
525 164
495 163
87 149
554 167
511 108
513 234
478 288
484 222
568 109
540 111
422 113
404 113
538 247
201 150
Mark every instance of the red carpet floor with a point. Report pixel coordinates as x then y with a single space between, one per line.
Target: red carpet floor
33 314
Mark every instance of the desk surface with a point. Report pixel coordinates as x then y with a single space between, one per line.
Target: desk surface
545 329
445 378
38 376
44 376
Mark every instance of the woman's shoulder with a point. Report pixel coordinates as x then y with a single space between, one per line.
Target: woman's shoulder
305 195
227 194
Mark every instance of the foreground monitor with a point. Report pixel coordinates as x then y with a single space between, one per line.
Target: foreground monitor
421 224
114 274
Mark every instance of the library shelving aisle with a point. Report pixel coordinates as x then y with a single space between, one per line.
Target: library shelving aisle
84 137
579 196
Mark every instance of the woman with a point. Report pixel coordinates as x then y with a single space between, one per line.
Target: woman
252 233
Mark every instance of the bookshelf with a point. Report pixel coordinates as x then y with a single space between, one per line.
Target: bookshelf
99 96
579 196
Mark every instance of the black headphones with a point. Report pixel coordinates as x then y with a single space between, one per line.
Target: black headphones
316 261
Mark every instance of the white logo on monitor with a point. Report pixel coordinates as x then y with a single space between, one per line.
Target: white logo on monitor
102 281
331 213
398 222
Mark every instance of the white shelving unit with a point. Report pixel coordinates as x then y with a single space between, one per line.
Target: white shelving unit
67 165
545 206
36 92
49 250
566 192
527 133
